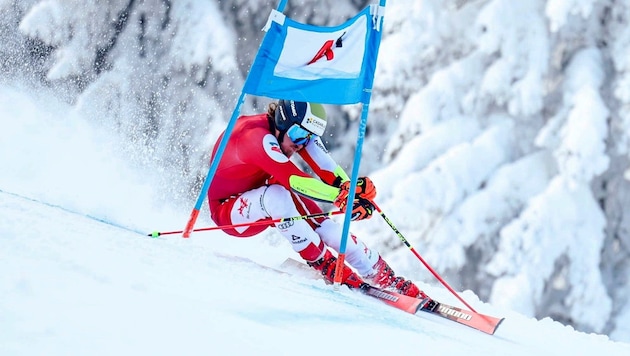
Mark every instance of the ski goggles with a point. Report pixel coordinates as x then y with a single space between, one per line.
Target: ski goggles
298 135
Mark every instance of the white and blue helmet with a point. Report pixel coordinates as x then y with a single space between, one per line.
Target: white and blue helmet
309 116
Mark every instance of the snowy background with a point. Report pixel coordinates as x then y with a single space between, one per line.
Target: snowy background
498 137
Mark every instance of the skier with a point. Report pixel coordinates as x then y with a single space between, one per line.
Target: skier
256 180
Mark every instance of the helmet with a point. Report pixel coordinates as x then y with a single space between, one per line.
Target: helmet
310 116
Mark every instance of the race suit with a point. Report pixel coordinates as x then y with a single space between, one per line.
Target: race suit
255 181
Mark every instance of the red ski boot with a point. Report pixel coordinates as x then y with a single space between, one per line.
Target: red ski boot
326 265
385 277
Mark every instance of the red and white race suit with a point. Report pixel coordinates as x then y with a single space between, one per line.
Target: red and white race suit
252 183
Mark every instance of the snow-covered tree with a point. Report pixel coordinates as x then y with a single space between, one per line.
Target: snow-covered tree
527 231
548 239
157 72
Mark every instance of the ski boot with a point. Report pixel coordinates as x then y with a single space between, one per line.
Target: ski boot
384 277
326 265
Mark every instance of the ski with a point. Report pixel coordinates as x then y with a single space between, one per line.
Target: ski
396 300
484 323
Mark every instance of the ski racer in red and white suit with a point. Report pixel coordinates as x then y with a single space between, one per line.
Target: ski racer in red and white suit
256 180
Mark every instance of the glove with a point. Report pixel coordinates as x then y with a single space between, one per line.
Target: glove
342 198
365 190
362 209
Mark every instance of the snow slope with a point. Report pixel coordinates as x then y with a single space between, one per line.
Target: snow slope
73 285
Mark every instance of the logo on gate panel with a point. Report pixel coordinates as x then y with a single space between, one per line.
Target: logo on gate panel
327 50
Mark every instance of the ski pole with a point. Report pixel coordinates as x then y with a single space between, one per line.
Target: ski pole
253 223
404 240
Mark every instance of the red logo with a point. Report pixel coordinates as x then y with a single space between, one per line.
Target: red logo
327 50
275 147
243 204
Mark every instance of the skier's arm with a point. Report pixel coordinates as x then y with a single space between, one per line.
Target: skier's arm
317 157
268 157
313 188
